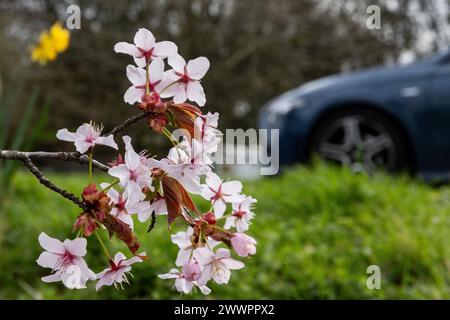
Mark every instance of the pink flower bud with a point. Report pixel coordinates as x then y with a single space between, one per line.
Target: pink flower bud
210 218
191 270
243 244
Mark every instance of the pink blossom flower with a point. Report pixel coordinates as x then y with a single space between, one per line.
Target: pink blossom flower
220 192
145 48
137 77
185 80
123 207
216 266
66 259
241 215
117 273
243 244
133 175
181 283
86 136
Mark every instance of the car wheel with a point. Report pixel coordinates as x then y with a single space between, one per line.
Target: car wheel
364 140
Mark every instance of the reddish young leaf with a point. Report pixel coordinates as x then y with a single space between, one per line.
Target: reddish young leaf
172 194
176 197
122 231
184 115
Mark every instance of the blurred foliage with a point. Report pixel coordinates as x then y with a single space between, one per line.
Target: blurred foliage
317 232
31 120
258 49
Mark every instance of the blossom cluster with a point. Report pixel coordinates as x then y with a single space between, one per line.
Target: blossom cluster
144 186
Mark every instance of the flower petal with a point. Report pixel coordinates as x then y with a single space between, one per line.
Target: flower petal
233 264
231 187
144 39
168 276
132 159
205 290
230 223
122 172
180 95
133 95
203 255
183 257
195 93
48 260
65 135
105 280
156 70
165 49
52 278
107 141
140 62
219 208
83 146
137 76
76 247
197 68
127 48
177 62
51 244
181 239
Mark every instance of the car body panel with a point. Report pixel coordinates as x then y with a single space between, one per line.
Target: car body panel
416 97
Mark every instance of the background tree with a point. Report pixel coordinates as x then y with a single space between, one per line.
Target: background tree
258 49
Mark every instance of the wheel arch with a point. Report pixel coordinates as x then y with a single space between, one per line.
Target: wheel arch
331 110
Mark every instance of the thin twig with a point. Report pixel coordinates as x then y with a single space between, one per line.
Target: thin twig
127 123
43 180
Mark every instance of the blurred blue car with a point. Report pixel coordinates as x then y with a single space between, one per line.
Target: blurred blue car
394 118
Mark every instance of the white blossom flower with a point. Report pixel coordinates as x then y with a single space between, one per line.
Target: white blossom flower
185 80
241 215
181 283
216 266
133 174
66 259
123 206
86 136
220 192
183 240
137 77
117 273
145 48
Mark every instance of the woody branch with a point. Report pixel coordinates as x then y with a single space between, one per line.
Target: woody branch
75 156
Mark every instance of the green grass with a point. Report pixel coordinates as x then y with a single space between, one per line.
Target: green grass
317 230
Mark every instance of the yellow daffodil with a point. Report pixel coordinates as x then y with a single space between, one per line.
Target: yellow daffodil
50 44
60 37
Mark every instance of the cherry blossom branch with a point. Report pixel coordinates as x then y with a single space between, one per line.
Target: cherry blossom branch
44 155
44 181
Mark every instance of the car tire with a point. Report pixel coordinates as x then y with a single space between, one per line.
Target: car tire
363 139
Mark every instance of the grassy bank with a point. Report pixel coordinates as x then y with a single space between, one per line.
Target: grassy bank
318 230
